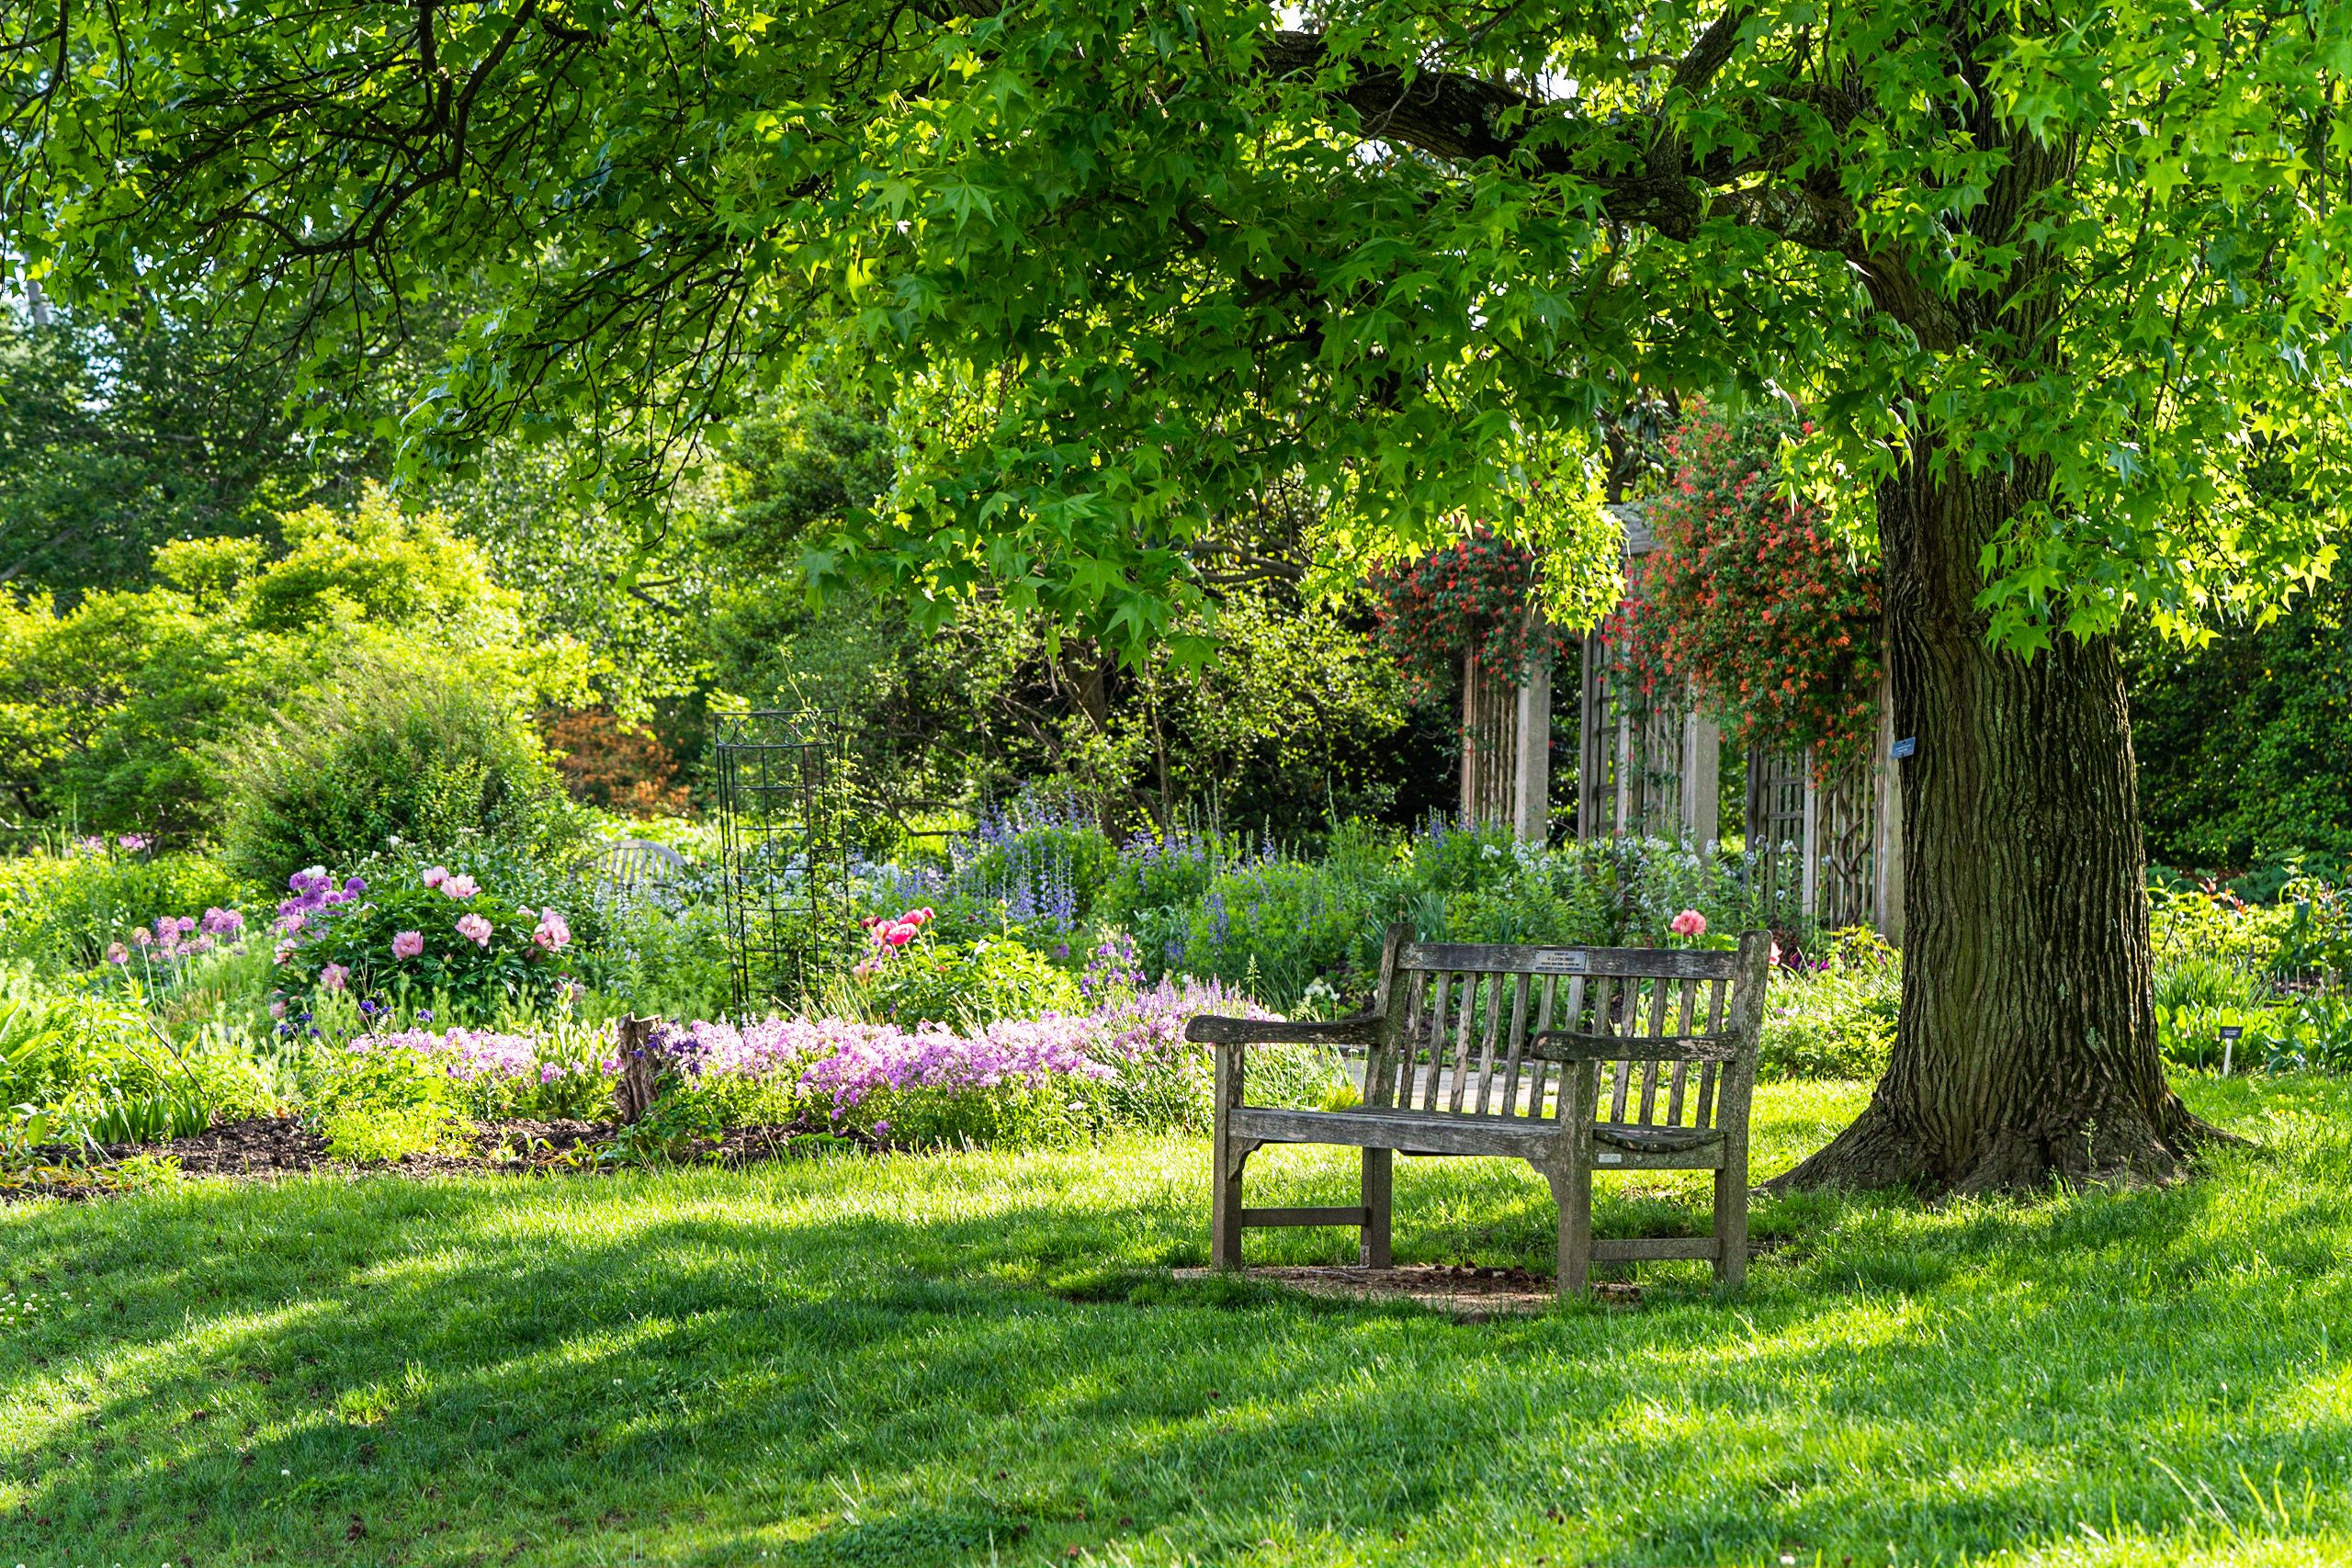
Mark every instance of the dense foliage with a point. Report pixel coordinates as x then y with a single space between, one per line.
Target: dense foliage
2242 742
393 758
130 712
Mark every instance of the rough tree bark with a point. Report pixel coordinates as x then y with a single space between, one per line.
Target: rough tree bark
2027 1045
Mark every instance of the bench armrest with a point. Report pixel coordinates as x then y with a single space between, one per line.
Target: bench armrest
1210 1029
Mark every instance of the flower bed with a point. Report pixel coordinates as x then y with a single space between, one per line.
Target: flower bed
1124 1062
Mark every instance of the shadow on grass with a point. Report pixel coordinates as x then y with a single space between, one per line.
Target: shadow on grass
867 1363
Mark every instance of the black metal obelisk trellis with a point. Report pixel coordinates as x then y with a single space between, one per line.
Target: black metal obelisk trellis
783 853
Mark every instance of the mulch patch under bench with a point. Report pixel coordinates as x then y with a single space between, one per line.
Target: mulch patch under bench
269 1146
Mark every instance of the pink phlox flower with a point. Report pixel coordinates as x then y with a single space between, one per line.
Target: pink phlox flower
134 842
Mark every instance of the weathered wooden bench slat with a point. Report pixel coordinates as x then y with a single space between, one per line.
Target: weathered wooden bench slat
1215 1031
1455 1066
1604 1023
1517 1057
1561 1047
1409 1132
1486 959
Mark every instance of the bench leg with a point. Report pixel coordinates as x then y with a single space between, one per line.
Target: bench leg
1731 1224
1572 1190
1225 1205
1379 1169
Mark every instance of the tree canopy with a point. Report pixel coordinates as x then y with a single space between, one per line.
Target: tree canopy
1121 269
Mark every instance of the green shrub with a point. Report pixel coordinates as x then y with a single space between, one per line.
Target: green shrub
394 759
1277 927
381 1103
2190 1033
1838 1021
964 985
60 911
2202 983
2189 924
665 958
1043 876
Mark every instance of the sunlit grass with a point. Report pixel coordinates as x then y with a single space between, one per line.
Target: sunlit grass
979 1357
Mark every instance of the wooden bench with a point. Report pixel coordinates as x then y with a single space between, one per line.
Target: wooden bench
1575 1060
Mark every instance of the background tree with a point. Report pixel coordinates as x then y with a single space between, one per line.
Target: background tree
120 434
2052 278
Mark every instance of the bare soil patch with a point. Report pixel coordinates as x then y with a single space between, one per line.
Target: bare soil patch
264 1147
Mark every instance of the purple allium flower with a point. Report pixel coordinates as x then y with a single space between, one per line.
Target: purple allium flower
117 954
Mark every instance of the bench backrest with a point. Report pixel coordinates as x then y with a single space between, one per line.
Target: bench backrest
627 865
1662 1037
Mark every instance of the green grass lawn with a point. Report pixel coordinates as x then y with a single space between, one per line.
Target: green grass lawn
979 1357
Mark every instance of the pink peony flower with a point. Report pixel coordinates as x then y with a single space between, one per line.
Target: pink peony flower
474 929
899 936
285 952
278 1007
407 944
461 887
552 933
435 875
335 977
1688 923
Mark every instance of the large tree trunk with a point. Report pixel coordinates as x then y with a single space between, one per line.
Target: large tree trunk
2027 1046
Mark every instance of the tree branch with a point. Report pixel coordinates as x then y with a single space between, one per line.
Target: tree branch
1641 171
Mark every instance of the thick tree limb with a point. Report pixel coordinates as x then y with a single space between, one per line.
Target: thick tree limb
1643 171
